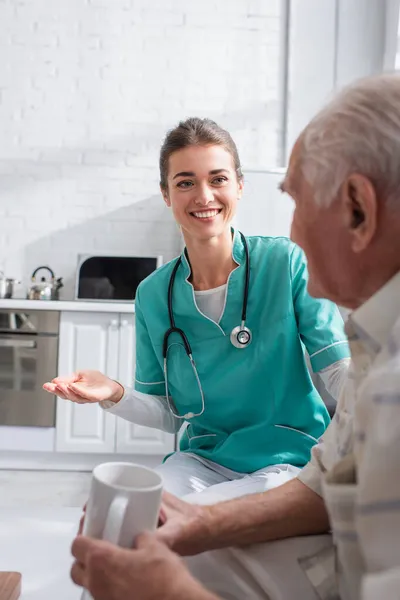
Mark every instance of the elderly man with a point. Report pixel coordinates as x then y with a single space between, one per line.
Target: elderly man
344 177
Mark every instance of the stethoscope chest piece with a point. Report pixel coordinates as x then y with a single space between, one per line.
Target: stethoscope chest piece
241 337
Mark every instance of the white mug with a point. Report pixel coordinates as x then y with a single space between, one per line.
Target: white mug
124 501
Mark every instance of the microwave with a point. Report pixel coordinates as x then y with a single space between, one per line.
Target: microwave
112 278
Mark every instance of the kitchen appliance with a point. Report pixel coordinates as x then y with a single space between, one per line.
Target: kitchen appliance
113 278
7 286
28 358
45 289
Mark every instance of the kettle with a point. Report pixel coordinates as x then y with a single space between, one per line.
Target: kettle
45 289
7 286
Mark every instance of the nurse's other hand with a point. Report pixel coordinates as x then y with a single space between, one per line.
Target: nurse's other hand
184 527
85 386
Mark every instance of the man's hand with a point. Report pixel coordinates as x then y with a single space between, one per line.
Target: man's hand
183 526
149 572
82 520
289 510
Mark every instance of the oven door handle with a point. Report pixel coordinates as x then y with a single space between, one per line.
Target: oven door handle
7 343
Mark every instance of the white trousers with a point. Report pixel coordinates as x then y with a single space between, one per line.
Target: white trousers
204 482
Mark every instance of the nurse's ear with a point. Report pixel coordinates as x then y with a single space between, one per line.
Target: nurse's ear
240 187
164 193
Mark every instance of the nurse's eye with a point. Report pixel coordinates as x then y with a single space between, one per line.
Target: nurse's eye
220 180
184 184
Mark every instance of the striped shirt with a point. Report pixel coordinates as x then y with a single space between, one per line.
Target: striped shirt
356 465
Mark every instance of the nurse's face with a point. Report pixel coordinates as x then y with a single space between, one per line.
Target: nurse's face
203 190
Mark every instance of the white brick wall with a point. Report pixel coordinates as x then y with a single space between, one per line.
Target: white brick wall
88 89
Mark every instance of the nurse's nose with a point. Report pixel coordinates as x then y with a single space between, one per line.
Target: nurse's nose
205 196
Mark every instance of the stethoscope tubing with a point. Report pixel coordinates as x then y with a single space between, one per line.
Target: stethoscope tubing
240 330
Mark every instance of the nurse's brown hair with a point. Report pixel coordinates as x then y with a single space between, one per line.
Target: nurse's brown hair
196 132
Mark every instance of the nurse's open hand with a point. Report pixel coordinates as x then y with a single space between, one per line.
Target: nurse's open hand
184 527
85 386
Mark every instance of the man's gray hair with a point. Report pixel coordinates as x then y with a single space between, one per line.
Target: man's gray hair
357 132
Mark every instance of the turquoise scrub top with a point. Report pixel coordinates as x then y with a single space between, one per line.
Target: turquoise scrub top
261 407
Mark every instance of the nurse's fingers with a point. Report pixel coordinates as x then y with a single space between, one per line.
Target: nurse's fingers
66 379
84 393
53 389
68 394
50 387
65 395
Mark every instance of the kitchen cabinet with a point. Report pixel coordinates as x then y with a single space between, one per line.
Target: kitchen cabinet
104 342
87 341
131 438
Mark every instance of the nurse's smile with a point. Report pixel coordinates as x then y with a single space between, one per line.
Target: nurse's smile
206 215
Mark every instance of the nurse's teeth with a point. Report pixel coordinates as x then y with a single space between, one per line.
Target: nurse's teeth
206 214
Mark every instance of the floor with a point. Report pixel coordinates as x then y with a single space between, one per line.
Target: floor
43 489
39 517
36 542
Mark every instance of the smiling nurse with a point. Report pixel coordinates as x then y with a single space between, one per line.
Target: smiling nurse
221 336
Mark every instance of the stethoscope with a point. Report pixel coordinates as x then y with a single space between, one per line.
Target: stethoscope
240 337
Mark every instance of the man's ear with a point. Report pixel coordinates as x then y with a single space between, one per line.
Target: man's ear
165 196
361 209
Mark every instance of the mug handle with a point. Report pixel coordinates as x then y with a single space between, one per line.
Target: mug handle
115 519
112 527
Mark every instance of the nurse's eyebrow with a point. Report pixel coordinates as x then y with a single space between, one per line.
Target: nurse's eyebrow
192 174
184 174
216 171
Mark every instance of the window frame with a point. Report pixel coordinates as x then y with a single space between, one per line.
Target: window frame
326 44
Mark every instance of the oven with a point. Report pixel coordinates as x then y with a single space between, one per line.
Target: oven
28 358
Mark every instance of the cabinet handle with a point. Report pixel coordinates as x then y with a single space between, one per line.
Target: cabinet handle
114 324
125 323
16 343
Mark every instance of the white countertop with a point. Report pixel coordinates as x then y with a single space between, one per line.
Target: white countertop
37 543
68 305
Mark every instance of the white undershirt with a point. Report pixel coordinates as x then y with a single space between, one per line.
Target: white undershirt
211 302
